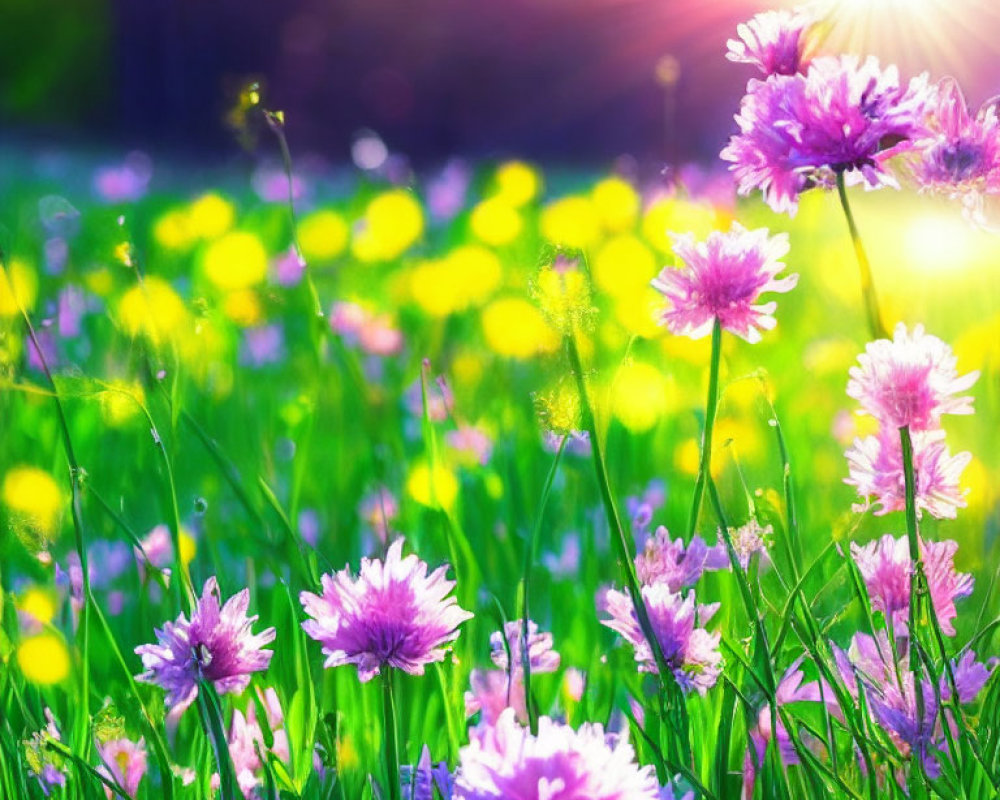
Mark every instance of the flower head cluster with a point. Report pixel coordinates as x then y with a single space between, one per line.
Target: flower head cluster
247 743
959 154
887 682
875 464
886 569
47 766
690 651
216 645
799 131
722 279
505 762
671 562
541 656
909 381
773 41
392 615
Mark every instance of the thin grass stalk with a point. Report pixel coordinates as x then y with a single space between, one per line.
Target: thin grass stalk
530 554
868 295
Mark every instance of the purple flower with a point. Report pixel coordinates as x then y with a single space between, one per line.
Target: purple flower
790 689
263 345
216 646
377 510
393 614
669 562
425 778
446 193
691 653
722 279
506 762
876 469
541 656
749 539
885 567
288 268
799 131
868 666
124 183
641 508
46 765
959 155
492 691
910 380
772 41
124 763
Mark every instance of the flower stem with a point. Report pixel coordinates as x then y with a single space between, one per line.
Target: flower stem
391 740
706 439
530 550
868 294
623 546
916 566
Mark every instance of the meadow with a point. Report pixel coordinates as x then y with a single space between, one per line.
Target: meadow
259 378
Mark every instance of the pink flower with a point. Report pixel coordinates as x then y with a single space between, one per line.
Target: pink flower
216 645
124 763
876 469
691 652
505 762
959 156
668 561
492 692
541 656
886 568
723 278
393 614
800 131
773 41
910 380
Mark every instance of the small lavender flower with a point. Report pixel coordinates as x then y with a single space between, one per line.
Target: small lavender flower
506 762
691 653
799 131
749 539
420 782
47 766
216 645
541 656
392 615
124 763
959 156
641 508
722 279
671 562
378 508
885 566
772 41
875 464
910 380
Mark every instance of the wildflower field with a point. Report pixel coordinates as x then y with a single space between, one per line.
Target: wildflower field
498 481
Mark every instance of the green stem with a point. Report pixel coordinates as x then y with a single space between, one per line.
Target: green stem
706 440
530 553
913 537
868 294
391 740
623 548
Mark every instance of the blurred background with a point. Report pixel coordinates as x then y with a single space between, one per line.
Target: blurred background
573 81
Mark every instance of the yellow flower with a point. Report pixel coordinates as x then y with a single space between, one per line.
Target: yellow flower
513 327
477 270
435 289
39 603
172 231
99 281
517 183
639 396
496 222
441 491
18 284
152 309
392 223
564 295
43 659
210 216
188 546
242 306
624 266
639 313
617 203
119 402
34 497
236 261
571 222
323 235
